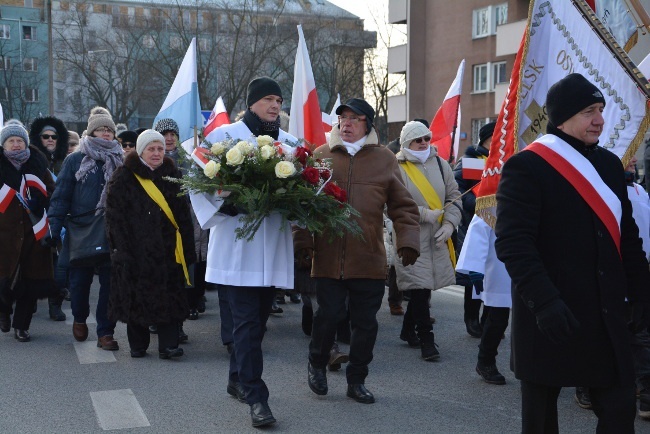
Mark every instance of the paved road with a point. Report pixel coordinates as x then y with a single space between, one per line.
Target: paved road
54 385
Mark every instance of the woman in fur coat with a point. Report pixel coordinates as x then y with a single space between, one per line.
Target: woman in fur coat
148 285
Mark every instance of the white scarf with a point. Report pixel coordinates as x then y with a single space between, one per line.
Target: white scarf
420 155
353 148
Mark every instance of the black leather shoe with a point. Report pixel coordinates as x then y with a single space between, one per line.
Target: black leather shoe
317 379
5 322
170 352
359 393
490 374
261 414
193 315
136 354
474 328
410 338
22 335
236 391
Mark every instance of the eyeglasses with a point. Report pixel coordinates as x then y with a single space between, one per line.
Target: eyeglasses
103 130
426 139
352 119
128 145
49 136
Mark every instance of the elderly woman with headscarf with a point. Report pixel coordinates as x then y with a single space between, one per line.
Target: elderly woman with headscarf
430 180
26 271
81 191
151 237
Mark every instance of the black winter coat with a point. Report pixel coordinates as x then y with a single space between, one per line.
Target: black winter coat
55 159
553 245
147 285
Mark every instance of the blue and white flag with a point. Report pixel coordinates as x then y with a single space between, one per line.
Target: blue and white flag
182 102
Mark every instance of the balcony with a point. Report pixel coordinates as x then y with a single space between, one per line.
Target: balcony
397 11
397 108
397 59
509 38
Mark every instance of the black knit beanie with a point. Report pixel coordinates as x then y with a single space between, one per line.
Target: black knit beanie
260 87
570 95
485 132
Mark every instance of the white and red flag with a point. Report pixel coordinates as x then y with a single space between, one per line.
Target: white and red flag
41 227
218 117
306 121
443 125
472 167
563 37
7 194
616 17
32 181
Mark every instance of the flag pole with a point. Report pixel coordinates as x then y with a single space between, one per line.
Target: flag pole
641 12
453 136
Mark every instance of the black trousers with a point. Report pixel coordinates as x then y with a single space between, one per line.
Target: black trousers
250 307
365 296
493 329
24 309
471 306
615 408
416 317
195 293
225 314
139 336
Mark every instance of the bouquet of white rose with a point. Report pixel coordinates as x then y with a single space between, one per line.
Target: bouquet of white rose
268 176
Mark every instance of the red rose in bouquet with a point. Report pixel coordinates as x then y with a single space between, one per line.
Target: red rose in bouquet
336 192
302 154
325 174
311 175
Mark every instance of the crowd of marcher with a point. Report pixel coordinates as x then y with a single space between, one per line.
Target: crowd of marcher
568 254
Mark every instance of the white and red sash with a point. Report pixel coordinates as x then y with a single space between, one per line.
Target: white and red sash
582 175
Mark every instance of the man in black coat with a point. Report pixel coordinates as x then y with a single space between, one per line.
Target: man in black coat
570 271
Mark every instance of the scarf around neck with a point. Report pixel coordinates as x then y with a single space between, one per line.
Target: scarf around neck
422 156
259 127
97 149
353 148
18 158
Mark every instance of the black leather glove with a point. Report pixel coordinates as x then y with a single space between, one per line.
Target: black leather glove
477 281
556 321
640 317
408 255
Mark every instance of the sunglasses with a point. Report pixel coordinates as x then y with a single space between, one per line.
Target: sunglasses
49 136
426 139
128 145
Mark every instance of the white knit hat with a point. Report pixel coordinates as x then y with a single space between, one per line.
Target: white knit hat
146 137
411 131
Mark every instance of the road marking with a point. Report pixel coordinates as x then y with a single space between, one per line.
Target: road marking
87 352
455 290
69 319
118 409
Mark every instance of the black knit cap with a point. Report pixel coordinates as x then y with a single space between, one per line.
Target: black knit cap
485 132
570 95
360 107
260 87
128 136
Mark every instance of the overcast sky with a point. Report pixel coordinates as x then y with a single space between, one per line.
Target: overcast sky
361 8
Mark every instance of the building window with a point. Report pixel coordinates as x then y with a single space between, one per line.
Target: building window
30 94
60 70
4 31
30 64
60 99
148 41
481 78
175 42
486 20
5 63
477 124
204 44
29 3
499 74
4 94
29 32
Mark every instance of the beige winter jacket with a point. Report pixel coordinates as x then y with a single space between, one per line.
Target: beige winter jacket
433 268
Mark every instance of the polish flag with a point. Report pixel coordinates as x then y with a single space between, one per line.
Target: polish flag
199 155
218 117
32 181
7 194
42 227
306 120
444 124
473 168
328 119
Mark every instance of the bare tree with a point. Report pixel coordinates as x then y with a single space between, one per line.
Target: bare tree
19 82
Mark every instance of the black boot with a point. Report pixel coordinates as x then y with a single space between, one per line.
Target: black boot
429 348
55 311
182 336
5 322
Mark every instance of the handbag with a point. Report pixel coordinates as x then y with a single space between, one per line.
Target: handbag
87 242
